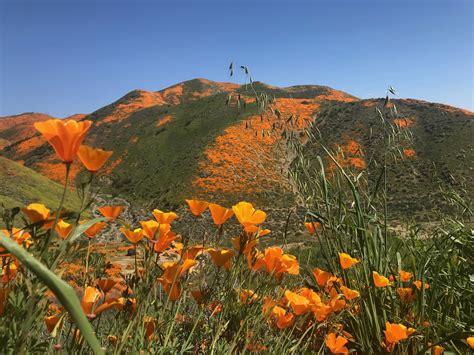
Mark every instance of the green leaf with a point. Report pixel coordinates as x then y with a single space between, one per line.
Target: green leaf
81 228
64 293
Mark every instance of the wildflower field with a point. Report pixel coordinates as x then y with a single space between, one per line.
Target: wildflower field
222 283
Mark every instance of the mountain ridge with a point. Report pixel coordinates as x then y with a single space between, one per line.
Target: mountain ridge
205 139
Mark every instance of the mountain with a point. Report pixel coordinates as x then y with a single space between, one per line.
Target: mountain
20 186
208 139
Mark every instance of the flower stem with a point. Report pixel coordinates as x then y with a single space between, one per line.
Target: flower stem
58 211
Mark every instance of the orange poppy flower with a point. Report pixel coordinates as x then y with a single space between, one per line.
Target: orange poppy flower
117 303
321 277
197 207
469 340
247 296
263 232
221 257
110 212
93 159
380 280
298 303
418 285
37 212
348 293
347 261
89 300
395 332
165 238
149 228
20 236
277 263
245 245
51 321
169 280
283 320
247 215
405 276
164 217
106 285
312 226
220 214
133 236
92 231
63 228
193 251
311 296
150 324
406 294
336 344
9 270
64 136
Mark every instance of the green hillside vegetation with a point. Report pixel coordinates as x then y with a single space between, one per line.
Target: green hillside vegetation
20 186
159 162
439 136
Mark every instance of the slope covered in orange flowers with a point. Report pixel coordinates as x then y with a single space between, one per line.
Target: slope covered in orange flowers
207 139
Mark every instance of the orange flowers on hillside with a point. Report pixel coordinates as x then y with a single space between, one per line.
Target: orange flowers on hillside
93 159
347 261
110 212
220 214
133 236
197 207
64 136
380 280
164 217
336 344
247 215
312 226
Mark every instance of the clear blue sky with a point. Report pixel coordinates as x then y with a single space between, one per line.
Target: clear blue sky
70 56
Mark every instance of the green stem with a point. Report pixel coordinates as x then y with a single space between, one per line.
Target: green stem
58 211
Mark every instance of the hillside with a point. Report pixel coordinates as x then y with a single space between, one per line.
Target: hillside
206 139
439 153
20 186
182 140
